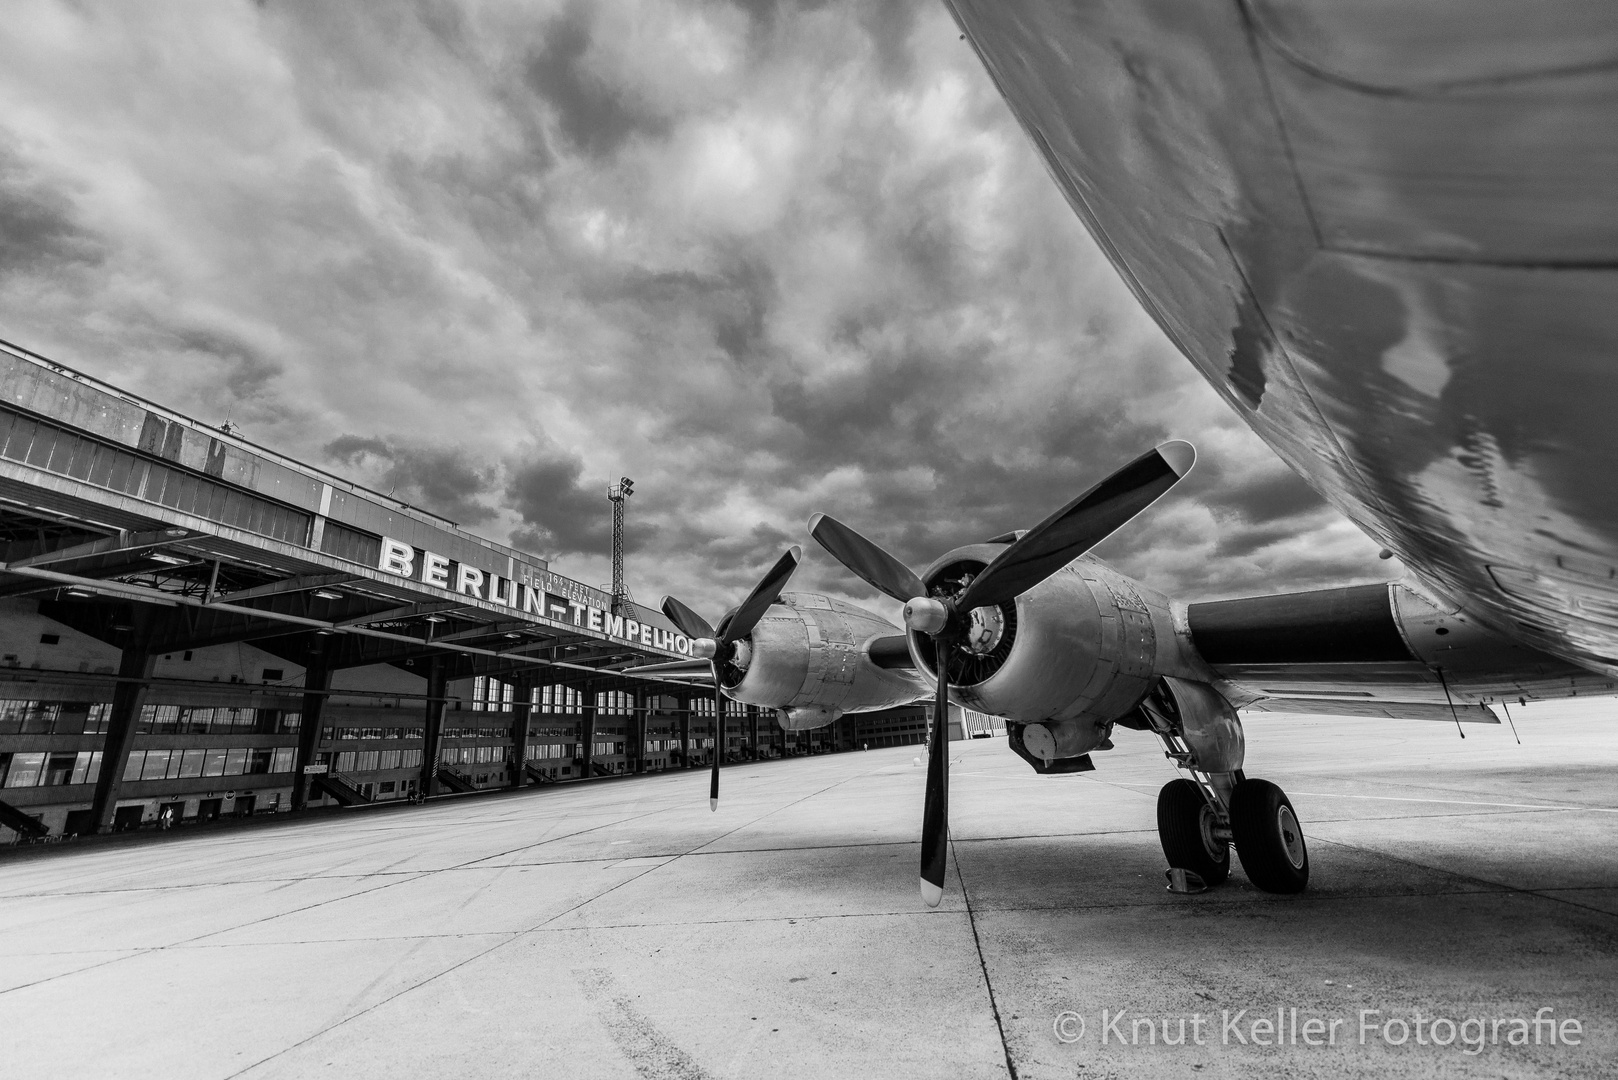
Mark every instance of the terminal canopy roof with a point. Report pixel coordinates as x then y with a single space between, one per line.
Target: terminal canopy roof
132 523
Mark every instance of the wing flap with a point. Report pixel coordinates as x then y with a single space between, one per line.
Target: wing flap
1390 710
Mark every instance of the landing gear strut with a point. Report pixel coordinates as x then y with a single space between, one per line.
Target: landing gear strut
1201 815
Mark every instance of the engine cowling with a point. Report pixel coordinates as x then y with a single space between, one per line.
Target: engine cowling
809 658
1064 660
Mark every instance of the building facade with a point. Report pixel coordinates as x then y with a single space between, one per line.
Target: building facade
194 627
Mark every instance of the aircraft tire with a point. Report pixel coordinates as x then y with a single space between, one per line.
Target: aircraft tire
1268 838
1184 821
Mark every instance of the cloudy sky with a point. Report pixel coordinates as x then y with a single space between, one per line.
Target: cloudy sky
766 259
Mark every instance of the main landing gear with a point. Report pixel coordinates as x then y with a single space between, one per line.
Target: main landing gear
1197 831
1215 805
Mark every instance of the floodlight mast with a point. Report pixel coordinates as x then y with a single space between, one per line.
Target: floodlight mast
618 494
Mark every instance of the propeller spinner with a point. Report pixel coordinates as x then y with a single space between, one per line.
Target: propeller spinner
729 644
948 617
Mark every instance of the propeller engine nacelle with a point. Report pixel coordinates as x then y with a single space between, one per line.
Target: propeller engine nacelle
1070 656
809 657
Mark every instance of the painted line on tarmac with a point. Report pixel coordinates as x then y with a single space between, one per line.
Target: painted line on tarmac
1410 799
1460 802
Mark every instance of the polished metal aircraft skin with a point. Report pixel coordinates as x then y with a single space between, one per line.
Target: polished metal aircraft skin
1387 234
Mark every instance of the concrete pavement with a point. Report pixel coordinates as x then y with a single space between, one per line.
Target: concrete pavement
620 930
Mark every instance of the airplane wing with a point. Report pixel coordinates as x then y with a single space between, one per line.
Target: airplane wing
1389 646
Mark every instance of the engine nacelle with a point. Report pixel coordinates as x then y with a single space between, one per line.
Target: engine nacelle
1067 658
809 658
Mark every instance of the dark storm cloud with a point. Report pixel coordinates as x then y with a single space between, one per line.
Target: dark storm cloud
768 258
732 301
446 481
1273 497
249 370
562 512
39 230
596 116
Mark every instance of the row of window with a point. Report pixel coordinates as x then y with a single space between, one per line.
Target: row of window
209 761
541 751
54 717
349 761
39 770
332 734
44 445
558 699
492 695
91 718
215 719
471 755
84 767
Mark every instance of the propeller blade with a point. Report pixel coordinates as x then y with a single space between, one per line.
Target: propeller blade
935 814
765 593
689 622
865 559
706 641
718 740
1079 526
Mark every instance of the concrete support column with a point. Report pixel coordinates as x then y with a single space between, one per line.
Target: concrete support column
521 707
752 739
315 681
639 728
433 744
587 729
683 704
134 669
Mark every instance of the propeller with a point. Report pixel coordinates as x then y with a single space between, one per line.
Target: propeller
1028 560
719 647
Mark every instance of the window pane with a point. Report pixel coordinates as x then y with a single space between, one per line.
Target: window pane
132 769
157 763
191 762
213 764
235 761
25 770
284 756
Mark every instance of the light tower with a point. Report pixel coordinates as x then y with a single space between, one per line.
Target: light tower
619 494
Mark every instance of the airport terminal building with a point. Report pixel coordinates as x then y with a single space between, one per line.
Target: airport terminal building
192 626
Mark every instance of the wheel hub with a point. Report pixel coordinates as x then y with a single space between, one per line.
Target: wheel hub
1208 823
1291 836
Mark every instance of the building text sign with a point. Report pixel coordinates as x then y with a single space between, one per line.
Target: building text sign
526 597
